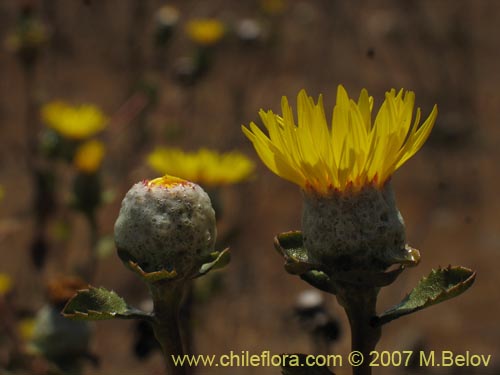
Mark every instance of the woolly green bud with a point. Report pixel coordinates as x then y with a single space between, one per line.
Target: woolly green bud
354 229
166 224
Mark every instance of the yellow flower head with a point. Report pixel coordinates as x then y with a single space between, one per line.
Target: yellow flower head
74 122
205 31
5 284
205 167
88 156
351 153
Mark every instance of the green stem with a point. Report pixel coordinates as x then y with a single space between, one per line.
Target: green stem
167 298
360 306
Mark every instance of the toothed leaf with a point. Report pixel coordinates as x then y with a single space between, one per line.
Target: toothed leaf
291 246
100 304
152 277
441 285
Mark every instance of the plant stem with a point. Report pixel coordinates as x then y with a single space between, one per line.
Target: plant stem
167 298
359 303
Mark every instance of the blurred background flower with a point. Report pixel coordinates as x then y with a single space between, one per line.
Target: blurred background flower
206 167
205 31
73 122
89 156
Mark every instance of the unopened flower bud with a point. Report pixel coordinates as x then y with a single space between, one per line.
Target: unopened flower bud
166 224
354 229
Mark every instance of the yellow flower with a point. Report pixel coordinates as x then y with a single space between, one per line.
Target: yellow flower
205 167
351 153
88 156
74 122
5 284
205 31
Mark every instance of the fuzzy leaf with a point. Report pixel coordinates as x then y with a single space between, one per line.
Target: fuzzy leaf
152 277
409 257
441 285
100 304
290 245
295 364
218 260
319 280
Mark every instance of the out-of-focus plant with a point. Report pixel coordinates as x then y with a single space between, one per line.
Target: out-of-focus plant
29 36
69 137
206 167
322 327
249 30
166 20
62 342
73 123
352 230
166 234
205 34
27 40
88 156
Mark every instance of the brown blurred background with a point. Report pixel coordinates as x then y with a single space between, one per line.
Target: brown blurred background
102 51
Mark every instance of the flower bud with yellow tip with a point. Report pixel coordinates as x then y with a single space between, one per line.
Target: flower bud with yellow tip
166 224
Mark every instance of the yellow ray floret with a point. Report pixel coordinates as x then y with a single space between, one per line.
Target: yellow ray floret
74 122
205 167
352 152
